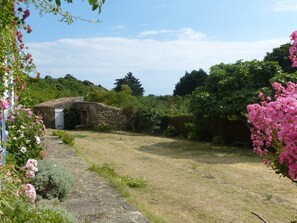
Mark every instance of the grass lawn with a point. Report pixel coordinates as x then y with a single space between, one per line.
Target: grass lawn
192 181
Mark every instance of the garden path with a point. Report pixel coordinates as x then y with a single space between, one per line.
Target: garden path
92 199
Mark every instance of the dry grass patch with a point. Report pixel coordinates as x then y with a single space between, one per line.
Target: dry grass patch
192 181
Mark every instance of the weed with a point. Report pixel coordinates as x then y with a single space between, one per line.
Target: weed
65 137
108 171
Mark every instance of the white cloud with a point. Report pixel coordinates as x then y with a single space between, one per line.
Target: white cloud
158 64
285 5
118 27
186 33
154 32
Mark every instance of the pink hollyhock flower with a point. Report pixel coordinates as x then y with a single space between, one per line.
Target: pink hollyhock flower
26 14
19 36
4 104
29 29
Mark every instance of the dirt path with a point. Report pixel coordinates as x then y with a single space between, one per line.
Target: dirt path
92 199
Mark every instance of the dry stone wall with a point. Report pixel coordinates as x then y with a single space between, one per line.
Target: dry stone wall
92 114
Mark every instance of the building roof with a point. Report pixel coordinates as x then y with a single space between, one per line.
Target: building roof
60 102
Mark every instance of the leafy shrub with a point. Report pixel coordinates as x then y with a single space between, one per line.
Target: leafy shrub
171 131
218 140
148 121
103 127
65 137
16 208
25 132
192 131
178 121
52 214
52 180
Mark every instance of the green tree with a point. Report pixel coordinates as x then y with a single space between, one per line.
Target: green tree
231 87
281 55
132 82
189 82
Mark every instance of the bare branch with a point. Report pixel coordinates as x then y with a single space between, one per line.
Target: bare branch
262 219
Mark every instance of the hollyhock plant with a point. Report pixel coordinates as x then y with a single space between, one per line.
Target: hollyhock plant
25 136
274 131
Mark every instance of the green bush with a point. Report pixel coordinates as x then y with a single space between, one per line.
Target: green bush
25 133
52 180
103 127
218 140
171 131
65 137
16 208
52 214
192 131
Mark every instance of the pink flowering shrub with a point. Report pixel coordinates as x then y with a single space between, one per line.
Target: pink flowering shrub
274 131
25 131
293 49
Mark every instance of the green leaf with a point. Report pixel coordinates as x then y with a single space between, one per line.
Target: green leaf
58 2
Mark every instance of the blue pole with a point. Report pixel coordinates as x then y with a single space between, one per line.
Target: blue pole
3 138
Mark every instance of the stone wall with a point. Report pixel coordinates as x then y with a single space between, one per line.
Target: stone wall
92 114
47 109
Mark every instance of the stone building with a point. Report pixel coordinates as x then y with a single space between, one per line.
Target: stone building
91 113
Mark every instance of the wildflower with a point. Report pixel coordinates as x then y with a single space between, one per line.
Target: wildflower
38 140
29 192
31 165
23 150
30 174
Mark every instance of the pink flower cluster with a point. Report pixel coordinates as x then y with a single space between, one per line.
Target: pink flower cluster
29 191
275 125
293 49
31 168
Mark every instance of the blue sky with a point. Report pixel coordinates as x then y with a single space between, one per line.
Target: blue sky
158 40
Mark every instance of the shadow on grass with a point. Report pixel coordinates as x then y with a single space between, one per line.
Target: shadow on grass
201 152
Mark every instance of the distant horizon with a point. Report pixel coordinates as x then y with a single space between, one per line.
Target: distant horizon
158 41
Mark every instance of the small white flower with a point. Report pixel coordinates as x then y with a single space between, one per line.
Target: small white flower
38 140
14 138
23 149
22 127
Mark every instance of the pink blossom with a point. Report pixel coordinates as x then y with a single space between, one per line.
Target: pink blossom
19 36
275 125
30 174
29 192
31 165
4 104
26 14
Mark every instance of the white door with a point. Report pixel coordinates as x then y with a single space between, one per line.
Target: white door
59 118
